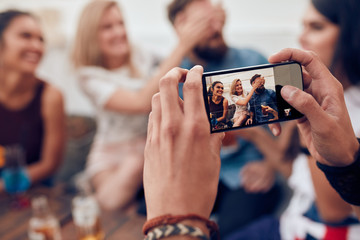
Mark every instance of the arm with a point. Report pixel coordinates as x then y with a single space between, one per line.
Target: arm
190 33
272 149
326 128
332 208
225 105
54 135
250 119
181 156
273 112
245 101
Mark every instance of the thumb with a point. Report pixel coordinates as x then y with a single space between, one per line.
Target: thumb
216 140
306 104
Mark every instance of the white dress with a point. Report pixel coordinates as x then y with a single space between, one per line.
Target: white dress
240 109
118 136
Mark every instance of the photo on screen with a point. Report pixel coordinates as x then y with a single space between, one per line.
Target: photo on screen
238 99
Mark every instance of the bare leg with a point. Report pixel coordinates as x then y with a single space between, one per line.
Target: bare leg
240 120
116 188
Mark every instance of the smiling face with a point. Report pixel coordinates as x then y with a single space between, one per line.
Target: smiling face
112 38
22 45
319 35
218 89
238 88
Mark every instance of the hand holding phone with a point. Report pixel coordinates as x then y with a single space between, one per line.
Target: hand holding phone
252 93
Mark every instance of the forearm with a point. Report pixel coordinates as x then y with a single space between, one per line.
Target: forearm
173 60
2 187
331 206
356 210
346 181
40 171
272 151
244 102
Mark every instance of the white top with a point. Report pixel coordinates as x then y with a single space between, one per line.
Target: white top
99 85
352 100
239 108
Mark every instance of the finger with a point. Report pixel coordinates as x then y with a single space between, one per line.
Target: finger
275 129
181 104
155 118
169 94
216 140
149 129
309 60
257 185
193 95
306 78
306 104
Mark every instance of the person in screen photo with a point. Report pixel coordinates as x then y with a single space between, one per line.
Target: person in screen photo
218 105
241 99
263 102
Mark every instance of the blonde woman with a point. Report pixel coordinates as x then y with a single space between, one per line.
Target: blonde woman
241 100
116 78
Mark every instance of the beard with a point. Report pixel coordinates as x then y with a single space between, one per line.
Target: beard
260 90
208 53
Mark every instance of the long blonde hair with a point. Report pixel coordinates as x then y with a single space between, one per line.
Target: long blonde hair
86 50
233 86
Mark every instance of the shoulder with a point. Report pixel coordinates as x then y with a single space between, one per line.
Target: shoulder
270 92
52 99
248 55
91 71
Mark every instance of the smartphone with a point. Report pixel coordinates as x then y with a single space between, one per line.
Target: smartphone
246 97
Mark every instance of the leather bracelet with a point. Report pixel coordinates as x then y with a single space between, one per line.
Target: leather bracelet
177 229
170 219
345 180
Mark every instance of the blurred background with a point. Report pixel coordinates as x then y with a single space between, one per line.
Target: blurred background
264 25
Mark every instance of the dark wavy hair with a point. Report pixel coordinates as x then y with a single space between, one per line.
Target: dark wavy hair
210 90
345 14
252 79
175 7
7 17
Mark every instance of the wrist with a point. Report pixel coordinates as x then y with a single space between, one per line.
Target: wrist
348 158
345 180
353 153
208 228
199 224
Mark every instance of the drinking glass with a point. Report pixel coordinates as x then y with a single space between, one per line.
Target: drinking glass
14 175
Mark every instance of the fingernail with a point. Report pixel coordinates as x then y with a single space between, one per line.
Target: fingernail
197 66
275 131
287 92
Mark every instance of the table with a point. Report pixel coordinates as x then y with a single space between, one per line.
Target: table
116 224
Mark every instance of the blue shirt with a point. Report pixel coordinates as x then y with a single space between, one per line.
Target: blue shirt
231 163
268 98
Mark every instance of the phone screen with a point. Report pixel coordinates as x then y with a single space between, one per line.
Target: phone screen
245 97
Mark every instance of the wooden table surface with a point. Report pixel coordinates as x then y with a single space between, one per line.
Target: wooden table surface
116 224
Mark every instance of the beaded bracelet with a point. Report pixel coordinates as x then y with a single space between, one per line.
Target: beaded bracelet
345 180
177 229
169 219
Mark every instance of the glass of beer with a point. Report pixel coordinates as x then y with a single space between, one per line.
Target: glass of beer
86 215
264 108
